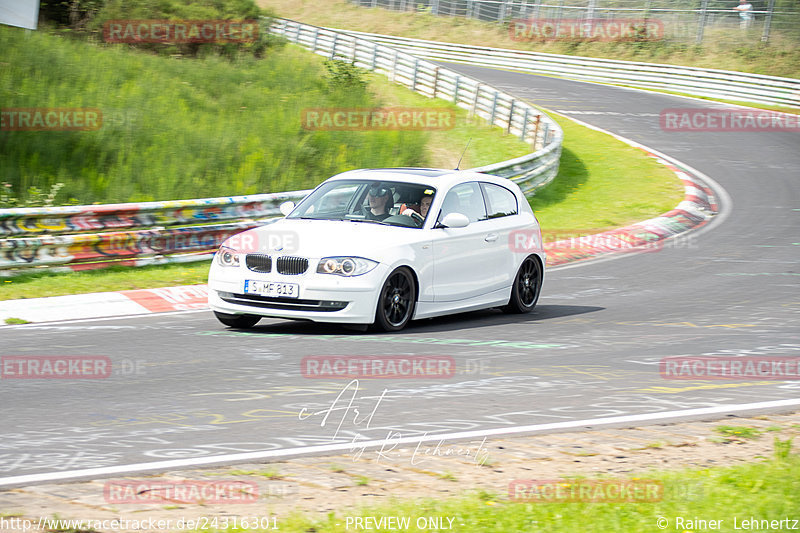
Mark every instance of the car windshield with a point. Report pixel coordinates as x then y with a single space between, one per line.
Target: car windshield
391 203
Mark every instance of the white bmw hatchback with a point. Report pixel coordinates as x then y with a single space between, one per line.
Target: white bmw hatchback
383 247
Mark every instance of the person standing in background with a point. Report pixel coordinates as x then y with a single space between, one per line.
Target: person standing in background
745 10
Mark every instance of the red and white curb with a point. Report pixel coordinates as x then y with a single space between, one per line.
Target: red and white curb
106 304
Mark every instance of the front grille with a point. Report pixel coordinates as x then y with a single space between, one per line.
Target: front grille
291 265
259 262
288 304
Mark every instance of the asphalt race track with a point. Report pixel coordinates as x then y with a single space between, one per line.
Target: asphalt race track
186 390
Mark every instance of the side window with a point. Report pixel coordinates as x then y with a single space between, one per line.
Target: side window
465 199
500 201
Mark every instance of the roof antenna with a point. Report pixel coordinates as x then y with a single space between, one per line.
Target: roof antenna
462 154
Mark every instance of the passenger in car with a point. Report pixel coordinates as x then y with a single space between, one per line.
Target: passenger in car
424 206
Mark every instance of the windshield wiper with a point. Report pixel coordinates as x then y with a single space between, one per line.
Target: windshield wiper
369 220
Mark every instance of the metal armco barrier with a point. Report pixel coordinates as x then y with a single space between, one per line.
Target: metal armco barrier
713 83
93 236
82 237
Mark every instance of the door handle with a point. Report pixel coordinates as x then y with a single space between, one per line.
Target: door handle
491 237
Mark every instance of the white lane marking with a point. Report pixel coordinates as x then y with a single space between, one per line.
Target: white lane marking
611 113
101 318
328 448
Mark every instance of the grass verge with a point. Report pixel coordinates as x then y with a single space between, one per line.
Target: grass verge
761 491
602 183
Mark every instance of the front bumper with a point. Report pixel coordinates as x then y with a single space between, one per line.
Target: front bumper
322 298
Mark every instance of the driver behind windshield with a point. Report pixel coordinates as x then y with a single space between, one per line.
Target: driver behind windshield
380 200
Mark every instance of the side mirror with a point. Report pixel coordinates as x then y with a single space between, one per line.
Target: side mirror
455 220
286 207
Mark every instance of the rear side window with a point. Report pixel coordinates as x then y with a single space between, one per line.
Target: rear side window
466 199
500 202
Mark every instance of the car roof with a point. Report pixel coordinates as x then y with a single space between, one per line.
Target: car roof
435 177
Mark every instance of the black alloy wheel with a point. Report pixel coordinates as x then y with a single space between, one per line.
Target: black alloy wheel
396 301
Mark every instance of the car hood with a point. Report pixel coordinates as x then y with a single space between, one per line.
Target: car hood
323 238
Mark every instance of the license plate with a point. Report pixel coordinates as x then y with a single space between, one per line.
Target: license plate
272 289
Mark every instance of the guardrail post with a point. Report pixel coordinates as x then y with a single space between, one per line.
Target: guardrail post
316 38
333 47
355 46
525 124
536 131
297 35
545 133
455 90
374 56
768 21
394 66
475 100
510 115
435 80
414 75
501 16
701 22
494 107
435 7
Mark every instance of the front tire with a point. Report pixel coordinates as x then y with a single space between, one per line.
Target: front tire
237 321
526 288
396 301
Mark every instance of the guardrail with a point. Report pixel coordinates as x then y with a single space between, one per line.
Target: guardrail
714 83
84 237
95 236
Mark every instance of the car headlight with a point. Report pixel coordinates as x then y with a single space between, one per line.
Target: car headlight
227 257
345 266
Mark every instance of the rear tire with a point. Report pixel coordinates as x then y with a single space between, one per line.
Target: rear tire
238 321
396 301
526 288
